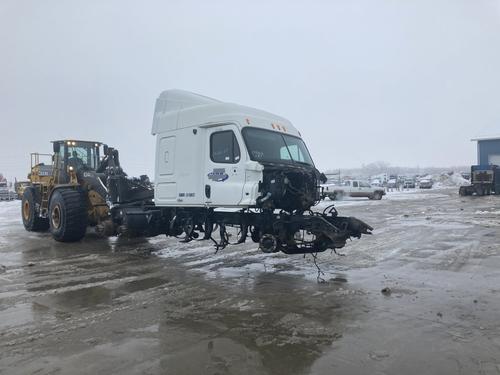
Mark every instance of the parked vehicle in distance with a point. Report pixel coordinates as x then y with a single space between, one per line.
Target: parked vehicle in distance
409 184
485 180
352 188
425 184
392 183
5 193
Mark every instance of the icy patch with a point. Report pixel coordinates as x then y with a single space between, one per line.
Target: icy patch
487 212
240 264
413 195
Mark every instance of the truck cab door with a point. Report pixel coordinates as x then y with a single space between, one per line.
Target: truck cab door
365 189
355 189
224 166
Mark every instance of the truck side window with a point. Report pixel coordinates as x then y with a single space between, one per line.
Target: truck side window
224 147
355 184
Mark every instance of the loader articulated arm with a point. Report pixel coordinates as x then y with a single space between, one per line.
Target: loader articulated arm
121 188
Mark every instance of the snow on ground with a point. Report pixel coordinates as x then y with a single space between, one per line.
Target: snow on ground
6 206
237 262
234 261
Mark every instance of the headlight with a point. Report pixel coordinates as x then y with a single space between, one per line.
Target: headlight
70 168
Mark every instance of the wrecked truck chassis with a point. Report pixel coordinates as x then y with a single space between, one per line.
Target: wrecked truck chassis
296 233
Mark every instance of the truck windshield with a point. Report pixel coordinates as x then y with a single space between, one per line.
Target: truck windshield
270 146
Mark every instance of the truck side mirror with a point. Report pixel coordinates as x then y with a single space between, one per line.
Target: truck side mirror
105 149
57 147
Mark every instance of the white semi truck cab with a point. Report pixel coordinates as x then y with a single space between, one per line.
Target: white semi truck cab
213 154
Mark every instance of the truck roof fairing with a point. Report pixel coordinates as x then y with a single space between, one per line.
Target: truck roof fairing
177 109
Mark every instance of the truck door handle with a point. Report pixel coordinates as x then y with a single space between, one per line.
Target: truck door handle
207 191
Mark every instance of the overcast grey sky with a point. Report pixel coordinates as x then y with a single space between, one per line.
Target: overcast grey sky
408 82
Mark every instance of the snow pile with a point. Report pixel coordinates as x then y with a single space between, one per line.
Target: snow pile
459 180
455 179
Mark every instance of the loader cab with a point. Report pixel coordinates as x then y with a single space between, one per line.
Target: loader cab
72 155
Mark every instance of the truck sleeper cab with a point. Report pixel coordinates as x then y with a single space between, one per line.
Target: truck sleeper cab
214 154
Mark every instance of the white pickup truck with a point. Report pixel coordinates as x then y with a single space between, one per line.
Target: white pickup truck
352 188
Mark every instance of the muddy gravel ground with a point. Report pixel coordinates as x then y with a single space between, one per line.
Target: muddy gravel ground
158 306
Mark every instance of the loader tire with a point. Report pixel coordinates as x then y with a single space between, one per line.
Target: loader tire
29 212
68 215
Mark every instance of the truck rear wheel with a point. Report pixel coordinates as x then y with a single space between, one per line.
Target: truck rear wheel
377 195
68 215
31 221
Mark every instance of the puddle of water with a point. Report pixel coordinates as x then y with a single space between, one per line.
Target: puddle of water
89 297
16 315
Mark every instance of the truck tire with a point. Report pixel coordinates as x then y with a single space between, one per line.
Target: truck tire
377 196
68 215
31 221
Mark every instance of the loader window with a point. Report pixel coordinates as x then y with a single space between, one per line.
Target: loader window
82 155
224 147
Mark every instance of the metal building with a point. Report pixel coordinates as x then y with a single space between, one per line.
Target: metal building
488 150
